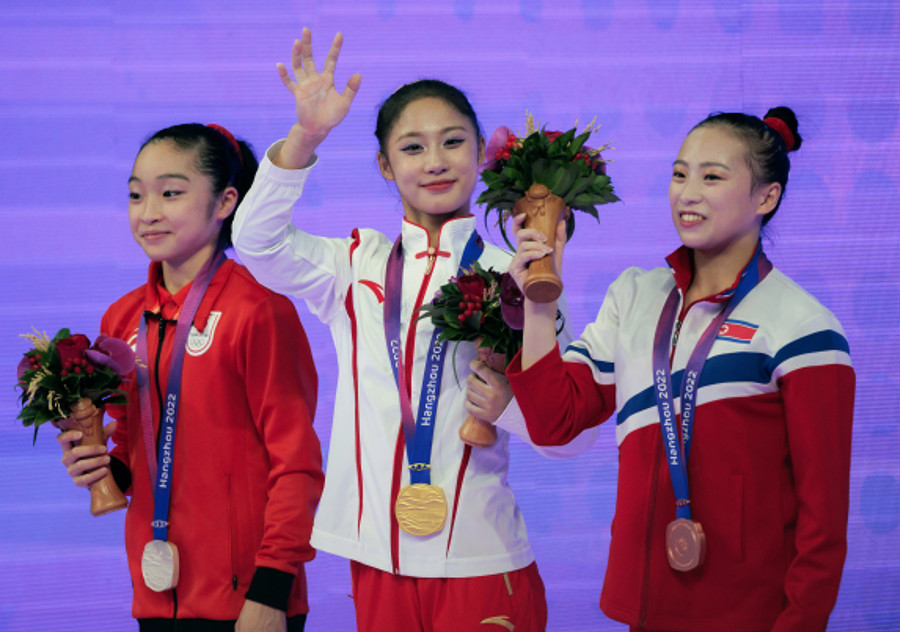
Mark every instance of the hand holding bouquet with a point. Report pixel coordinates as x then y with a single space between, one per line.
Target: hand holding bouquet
67 381
544 175
484 307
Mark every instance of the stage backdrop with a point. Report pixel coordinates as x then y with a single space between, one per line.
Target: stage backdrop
83 83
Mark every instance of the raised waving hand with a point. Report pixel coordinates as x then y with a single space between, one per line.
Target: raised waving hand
320 107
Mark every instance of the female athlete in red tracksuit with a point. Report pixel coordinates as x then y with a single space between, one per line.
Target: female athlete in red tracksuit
246 465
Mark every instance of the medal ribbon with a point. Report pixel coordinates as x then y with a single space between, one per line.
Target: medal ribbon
677 452
418 432
160 466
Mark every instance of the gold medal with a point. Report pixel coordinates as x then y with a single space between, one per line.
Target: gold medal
421 509
685 544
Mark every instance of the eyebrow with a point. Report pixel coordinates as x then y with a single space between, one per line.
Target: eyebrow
413 134
704 164
164 176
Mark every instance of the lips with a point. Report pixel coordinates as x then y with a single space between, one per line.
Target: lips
689 218
153 235
438 185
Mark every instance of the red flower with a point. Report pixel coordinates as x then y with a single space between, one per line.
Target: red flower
471 285
72 348
552 136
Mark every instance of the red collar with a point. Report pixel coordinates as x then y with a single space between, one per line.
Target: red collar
158 300
682 263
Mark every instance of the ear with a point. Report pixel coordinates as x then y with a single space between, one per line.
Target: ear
768 196
384 166
481 150
226 204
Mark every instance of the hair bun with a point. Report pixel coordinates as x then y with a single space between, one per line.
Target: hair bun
783 121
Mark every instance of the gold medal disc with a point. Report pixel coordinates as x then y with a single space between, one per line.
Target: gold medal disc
421 509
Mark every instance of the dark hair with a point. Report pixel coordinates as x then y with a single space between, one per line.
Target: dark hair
767 151
217 158
393 106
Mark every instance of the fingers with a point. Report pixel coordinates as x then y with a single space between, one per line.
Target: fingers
109 429
87 476
86 464
487 393
69 439
305 55
352 88
333 53
85 452
285 77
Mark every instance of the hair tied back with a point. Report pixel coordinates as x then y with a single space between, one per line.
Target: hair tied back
231 139
782 129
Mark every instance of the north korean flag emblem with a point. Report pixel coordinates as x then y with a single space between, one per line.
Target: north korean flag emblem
737 331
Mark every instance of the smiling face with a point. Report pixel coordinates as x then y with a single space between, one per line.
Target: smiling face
433 153
715 207
173 214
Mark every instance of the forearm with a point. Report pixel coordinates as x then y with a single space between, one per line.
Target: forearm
297 150
539 334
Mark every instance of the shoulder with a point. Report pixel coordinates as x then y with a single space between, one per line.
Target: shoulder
634 280
797 309
241 286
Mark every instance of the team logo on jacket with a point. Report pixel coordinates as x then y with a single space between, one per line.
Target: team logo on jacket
199 342
737 331
375 287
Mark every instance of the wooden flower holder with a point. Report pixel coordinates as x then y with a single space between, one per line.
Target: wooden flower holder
543 211
105 494
474 431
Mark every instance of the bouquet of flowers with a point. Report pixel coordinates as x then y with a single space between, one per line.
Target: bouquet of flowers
544 174
485 307
56 373
67 381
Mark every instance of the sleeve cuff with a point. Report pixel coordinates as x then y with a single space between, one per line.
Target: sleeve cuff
121 474
270 587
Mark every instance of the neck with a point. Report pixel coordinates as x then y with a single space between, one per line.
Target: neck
178 274
716 271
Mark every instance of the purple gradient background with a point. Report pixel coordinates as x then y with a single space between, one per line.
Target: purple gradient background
82 84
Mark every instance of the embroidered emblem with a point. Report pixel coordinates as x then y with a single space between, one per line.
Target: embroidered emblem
199 343
502 621
375 287
737 331
132 340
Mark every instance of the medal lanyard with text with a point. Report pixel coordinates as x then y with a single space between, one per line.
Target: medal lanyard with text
677 452
160 466
417 432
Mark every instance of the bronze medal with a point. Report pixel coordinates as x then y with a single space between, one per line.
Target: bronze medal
421 509
685 544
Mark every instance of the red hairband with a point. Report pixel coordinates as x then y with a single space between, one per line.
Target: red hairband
229 137
782 129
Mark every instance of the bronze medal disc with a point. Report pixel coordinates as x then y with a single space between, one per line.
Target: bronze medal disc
685 544
421 509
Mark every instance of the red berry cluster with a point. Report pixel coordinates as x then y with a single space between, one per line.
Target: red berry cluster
35 361
504 152
586 158
76 366
470 304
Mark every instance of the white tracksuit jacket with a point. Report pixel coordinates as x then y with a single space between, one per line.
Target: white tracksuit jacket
342 281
